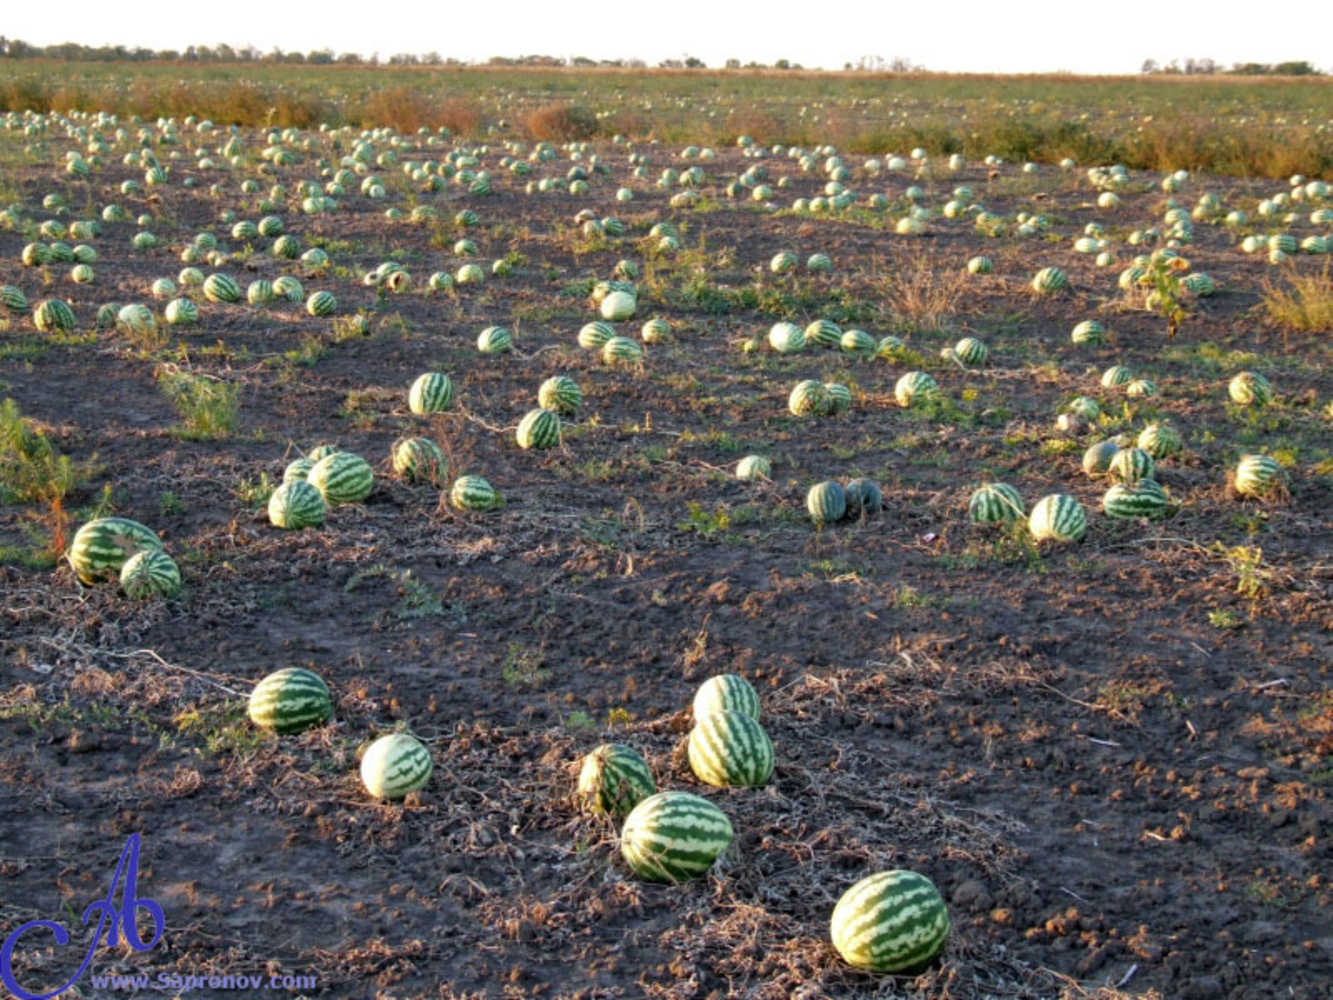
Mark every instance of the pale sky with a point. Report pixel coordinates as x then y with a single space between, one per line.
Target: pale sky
963 35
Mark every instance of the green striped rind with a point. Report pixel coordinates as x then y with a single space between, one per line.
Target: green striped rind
1088 332
786 338
819 263
136 318
824 332
889 347
298 468
296 504
1049 279
858 344
101 547
863 497
181 312
321 304
621 349
614 779
1256 475
1159 440
753 467
419 459
1250 389
914 386
430 393
560 394
1085 406
994 503
260 293
595 334
288 287
655 331
538 429
13 299
1140 388
290 700
1132 464
1058 517
971 352
494 340
1142 499
726 693
837 398
1097 459
323 451
1116 375
980 265
53 316
618 306
472 493
221 288
730 748
150 573
890 922
343 478
782 263
395 765
674 836
807 398
826 502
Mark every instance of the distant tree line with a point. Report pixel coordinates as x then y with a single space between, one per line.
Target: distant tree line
1208 67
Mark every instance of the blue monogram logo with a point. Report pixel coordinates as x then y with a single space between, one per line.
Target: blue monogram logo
123 921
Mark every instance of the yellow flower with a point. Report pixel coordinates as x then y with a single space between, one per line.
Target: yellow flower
1179 264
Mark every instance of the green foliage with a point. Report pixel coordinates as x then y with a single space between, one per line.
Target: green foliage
208 407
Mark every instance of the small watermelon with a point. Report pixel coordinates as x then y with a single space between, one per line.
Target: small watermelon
290 700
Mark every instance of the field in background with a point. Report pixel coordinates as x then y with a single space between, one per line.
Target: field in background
1238 126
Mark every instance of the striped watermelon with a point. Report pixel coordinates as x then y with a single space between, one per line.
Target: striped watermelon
1049 279
494 340
782 263
971 352
430 393
824 332
618 306
343 478
826 502
290 700
1256 475
1141 388
858 344
260 293
323 451
1097 459
1144 498
1089 332
560 394
289 288
730 748
1058 517
395 766
13 299
594 335
181 312
863 497
893 921
614 779
994 503
150 573
1132 464
287 247
819 263
1115 376
889 347
753 467
980 265
539 429
296 504
621 349
674 836
321 304
472 493
786 338
914 386
1159 440
1250 389
53 316
469 274
726 693
655 331
136 318
419 459
837 398
298 468
108 314
807 398
270 226
101 547
221 288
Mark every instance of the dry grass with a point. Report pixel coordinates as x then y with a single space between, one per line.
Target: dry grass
561 123
1303 305
923 297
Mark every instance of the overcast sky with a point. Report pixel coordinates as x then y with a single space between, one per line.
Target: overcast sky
963 35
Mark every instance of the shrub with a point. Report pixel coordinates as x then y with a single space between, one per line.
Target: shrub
561 123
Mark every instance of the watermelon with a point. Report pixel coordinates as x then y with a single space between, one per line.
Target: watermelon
819 263
1097 459
618 306
1049 279
980 265
538 429
395 765
323 451
1132 464
621 349
1141 388
594 335
430 393
1159 440
824 332
914 386
786 338
181 312
296 504
260 293
343 478
150 573
753 467
1256 475
782 263
1088 332
1144 498
419 459
221 288
560 394
730 748
674 836
289 288
807 398
101 547
837 398
290 700
1085 407
321 304
994 503
858 344
892 921
1115 376
1250 389
614 779
971 351
13 299
655 331
53 316
298 468
1058 517
472 493
863 497
494 340
826 502
726 693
